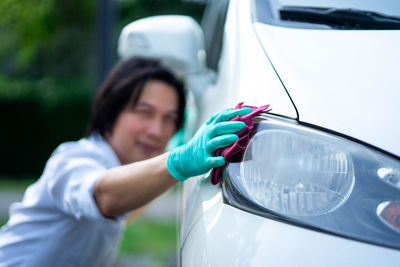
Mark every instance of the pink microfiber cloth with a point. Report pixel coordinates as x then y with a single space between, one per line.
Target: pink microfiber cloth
241 143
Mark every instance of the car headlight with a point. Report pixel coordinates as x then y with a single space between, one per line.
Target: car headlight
318 180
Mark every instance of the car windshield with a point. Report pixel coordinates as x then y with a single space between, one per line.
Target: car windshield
336 14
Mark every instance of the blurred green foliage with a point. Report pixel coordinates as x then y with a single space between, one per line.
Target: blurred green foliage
36 116
46 37
56 38
155 238
7 183
131 10
3 221
47 72
24 27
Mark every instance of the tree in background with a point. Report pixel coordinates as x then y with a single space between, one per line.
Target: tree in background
47 72
56 38
45 37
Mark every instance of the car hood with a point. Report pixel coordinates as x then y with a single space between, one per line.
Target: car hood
344 81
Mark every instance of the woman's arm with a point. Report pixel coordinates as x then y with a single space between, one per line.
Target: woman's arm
128 187
131 186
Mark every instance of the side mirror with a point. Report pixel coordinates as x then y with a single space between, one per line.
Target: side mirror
177 40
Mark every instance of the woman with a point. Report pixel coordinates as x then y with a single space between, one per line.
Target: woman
74 214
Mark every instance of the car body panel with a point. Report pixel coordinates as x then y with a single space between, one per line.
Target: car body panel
349 87
256 82
252 240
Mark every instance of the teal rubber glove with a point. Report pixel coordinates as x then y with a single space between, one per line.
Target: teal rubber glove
197 155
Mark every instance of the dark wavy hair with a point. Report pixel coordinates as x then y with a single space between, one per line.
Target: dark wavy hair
124 85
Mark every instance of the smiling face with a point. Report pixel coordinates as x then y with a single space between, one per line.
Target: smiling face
143 131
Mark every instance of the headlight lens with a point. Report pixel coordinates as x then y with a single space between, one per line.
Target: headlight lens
318 180
296 174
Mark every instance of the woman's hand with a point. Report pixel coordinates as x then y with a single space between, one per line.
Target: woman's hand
197 156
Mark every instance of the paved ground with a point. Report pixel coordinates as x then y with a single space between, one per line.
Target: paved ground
164 207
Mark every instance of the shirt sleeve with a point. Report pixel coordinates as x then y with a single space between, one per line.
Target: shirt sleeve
72 184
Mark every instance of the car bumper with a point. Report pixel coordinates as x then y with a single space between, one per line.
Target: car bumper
222 235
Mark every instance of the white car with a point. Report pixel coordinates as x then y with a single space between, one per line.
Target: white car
319 183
